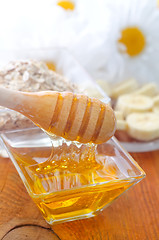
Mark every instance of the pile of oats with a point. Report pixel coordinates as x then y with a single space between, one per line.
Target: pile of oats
29 76
32 76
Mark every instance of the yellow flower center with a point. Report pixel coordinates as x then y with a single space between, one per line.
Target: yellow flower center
67 5
133 39
51 66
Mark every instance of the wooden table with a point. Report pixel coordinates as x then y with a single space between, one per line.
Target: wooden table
135 215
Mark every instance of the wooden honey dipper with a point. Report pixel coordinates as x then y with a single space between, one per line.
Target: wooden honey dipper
75 117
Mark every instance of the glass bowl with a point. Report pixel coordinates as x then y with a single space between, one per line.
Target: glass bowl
68 180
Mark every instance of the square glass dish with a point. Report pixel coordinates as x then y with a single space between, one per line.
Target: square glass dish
69 180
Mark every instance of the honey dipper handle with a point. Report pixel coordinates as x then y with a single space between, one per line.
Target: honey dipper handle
75 117
10 98
35 106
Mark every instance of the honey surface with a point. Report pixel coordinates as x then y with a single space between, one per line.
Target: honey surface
70 181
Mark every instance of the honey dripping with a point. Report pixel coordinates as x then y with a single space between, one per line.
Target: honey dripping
76 157
73 158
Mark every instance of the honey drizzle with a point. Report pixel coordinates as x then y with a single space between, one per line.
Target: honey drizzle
57 111
99 122
71 116
85 120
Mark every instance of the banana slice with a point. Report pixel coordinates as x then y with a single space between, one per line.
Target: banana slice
149 89
143 126
130 103
121 125
104 85
119 115
124 87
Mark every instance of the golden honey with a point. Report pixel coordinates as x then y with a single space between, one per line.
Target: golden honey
70 180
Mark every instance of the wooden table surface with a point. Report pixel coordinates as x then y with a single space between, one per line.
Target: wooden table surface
135 215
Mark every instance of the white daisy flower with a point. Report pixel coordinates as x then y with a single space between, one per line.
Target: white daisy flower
125 43
131 43
36 24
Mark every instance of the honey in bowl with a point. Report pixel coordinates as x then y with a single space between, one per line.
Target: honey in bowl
69 180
